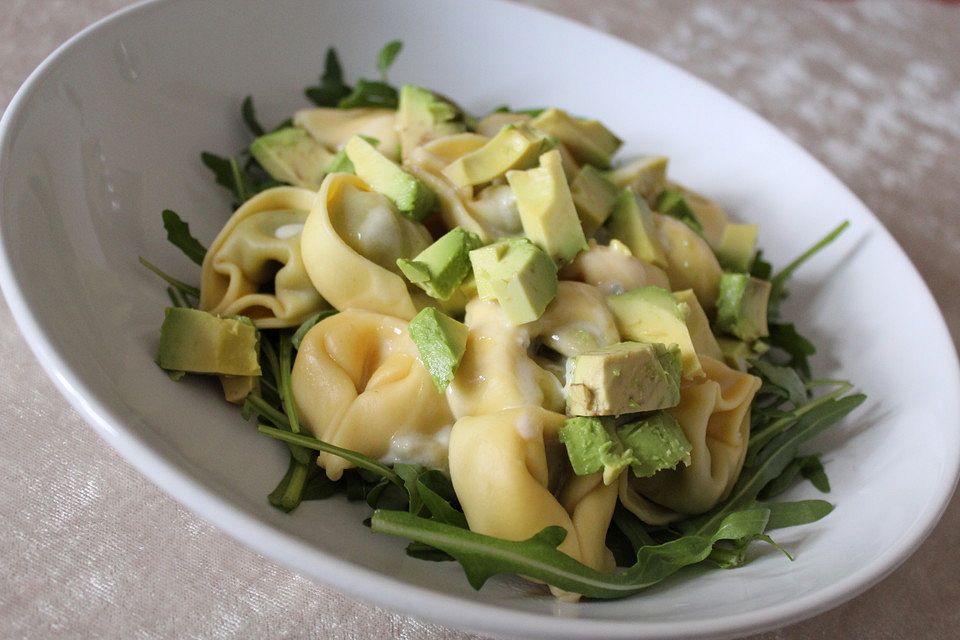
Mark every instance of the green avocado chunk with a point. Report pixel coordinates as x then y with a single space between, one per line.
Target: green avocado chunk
628 377
290 155
411 197
422 117
594 196
646 176
441 341
742 306
340 163
588 140
648 445
739 354
200 342
632 224
652 314
514 147
518 274
738 245
546 208
673 203
440 268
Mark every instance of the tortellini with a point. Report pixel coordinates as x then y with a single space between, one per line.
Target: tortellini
709 214
490 214
332 127
577 320
350 243
715 417
254 266
691 263
506 469
613 269
358 383
496 371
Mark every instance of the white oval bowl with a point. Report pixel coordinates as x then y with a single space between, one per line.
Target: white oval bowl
107 132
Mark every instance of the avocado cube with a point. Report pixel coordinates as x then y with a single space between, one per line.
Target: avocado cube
652 314
651 444
738 245
237 388
646 176
742 306
518 274
514 147
546 208
440 268
411 197
422 117
594 196
441 341
632 224
588 140
657 443
200 342
291 155
628 377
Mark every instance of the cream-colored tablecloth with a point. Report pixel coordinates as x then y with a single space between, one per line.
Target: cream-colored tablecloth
89 548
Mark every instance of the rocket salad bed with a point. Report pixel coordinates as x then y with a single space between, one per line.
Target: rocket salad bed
523 356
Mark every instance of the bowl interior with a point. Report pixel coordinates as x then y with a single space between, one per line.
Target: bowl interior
109 132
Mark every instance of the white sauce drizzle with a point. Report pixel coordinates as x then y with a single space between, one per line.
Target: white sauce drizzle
288 230
427 449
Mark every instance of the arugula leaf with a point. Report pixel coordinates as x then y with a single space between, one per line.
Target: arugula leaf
178 233
249 115
537 557
786 338
784 378
370 93
357 459
770 461
809 467
178 299
254 406
778 281
793 514
286 394
227 174
761 268
332 88
179 285
386 56
289 492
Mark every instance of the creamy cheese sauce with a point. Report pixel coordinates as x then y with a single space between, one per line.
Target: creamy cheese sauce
288 230
429 450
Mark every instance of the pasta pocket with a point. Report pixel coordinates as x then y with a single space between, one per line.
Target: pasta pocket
691 263
492 213
358 383
254 266
507 468
360 232
715 417
332 127
496 372
613 269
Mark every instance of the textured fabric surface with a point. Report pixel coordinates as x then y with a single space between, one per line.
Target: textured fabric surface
91 549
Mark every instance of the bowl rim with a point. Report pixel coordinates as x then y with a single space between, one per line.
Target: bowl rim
392 593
